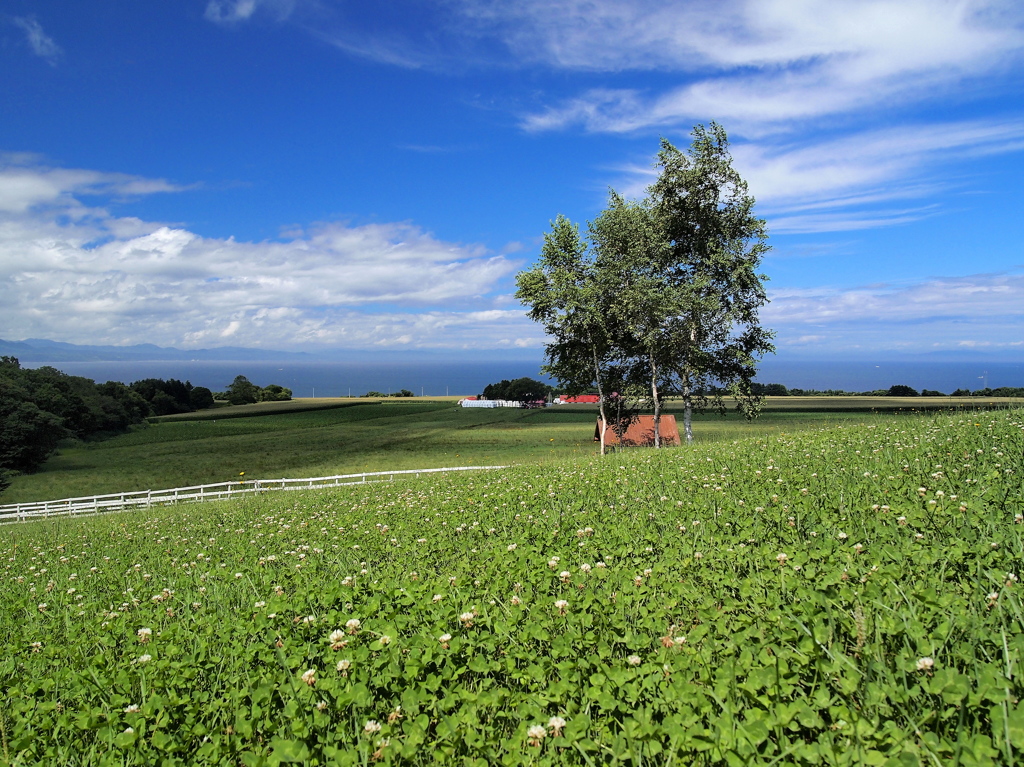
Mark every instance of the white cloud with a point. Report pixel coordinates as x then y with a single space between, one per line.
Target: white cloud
863 181
805 85
42 44
753 64
26 184
92 277
981 310
232 11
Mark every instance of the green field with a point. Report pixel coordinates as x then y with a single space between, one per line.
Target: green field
827 596
308 438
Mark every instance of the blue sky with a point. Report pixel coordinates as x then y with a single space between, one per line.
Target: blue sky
313 175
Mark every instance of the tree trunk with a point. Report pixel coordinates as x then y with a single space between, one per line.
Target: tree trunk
600 399
657 403
687 410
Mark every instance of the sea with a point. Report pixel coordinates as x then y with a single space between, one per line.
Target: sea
435 378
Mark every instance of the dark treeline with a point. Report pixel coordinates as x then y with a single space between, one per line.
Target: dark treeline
172 396
780 390
41 407
899 390
517 390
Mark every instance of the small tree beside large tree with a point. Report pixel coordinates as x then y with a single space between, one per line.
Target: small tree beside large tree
665 296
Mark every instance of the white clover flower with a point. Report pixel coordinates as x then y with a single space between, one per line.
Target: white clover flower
512 547
925 664
634 660
353 625
321 706
444 638
372 727
516 600
344 665
467 618
144 635
536 734
437 598
309 677
132 709
385 639
562 606
564 576
556 724
781 558
337 639
145 658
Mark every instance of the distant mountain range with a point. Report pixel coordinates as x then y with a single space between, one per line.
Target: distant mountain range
36 350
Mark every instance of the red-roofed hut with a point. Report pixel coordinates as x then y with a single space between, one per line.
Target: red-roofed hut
641 432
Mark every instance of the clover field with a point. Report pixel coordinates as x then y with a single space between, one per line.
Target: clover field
847 595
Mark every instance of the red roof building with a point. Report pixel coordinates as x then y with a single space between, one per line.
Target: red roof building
641 432
581 399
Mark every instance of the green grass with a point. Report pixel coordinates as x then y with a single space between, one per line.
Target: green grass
847 595
308 438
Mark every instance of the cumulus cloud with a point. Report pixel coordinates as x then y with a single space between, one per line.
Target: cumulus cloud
81 274
78 273
42 44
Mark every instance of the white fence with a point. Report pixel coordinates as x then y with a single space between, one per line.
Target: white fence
19 512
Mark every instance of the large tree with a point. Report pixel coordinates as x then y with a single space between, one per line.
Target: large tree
667 298
564 295
715 244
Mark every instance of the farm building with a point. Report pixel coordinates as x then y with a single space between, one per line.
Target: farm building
641 432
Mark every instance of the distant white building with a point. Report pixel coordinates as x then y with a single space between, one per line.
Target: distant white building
489 403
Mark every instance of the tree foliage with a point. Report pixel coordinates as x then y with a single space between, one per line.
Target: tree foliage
664 297
901 390
242 391
517 390
40 407
274 393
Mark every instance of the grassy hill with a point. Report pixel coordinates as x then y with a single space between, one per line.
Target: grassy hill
307 438
847 595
